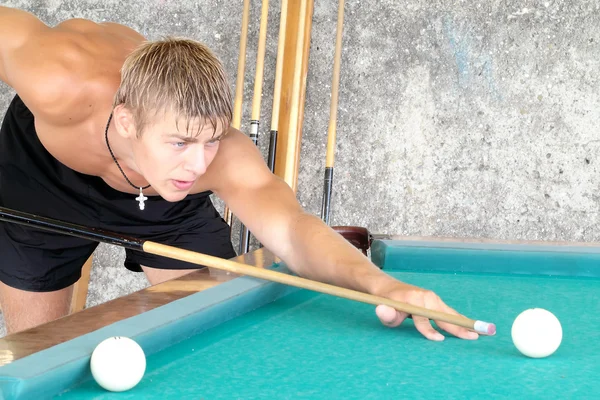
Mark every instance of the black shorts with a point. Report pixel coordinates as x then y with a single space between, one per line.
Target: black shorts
32 180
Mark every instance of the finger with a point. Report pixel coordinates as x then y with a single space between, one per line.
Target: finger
389 316
456 330
424 327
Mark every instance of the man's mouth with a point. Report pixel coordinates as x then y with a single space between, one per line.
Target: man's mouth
182 185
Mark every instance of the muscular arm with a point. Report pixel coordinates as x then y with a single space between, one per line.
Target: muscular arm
268 207
310 248
32 61
17 30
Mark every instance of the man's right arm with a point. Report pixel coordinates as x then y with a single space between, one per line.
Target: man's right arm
28 61
17 29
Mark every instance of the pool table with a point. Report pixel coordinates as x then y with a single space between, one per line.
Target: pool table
212 335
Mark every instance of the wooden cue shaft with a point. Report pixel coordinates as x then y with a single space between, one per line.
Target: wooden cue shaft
259 73
331 134
286 279
294 112
277 87
239 85
244 243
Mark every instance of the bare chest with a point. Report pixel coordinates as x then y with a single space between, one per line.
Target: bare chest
83 149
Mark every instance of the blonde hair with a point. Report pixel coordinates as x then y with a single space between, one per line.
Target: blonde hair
177 75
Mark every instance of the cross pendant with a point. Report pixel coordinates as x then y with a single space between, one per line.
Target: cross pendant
141 198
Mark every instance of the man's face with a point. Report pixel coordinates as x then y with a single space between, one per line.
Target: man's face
173 154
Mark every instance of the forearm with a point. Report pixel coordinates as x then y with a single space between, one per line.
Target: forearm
268 207
321 254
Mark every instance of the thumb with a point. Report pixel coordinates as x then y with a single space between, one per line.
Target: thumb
389 316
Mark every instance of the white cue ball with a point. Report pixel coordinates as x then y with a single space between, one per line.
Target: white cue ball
536 333
118 363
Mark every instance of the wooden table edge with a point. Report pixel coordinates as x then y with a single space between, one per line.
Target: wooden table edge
22 344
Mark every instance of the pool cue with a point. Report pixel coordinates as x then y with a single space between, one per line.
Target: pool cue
244 244
277 87
331 134
98 235
239 85
292 153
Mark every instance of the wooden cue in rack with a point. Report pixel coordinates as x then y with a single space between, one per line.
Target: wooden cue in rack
291 153
244 243
53 225
277 87
236 121
331 133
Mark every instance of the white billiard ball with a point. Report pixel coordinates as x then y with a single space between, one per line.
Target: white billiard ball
118 363
536 333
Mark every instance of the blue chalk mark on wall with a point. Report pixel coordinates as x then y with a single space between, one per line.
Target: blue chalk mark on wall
470 64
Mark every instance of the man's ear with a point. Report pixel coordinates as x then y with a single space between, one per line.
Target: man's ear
124 122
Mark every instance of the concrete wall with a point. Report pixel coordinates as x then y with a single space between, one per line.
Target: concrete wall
456 118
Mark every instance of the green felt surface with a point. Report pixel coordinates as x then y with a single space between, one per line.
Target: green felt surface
308 345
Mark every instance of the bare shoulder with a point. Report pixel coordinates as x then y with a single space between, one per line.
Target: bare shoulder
106 29
59 69
238 163
235 149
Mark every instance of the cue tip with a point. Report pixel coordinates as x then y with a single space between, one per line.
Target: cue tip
486 328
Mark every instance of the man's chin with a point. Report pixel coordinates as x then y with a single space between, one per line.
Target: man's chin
173 196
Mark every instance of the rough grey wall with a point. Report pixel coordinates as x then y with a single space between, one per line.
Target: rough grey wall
456 118
462 119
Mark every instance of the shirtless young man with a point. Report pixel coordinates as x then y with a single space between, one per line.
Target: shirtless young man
101 112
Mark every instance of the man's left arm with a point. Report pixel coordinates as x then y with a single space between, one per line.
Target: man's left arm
268 207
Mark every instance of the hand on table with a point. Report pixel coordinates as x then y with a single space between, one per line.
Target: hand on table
422 298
